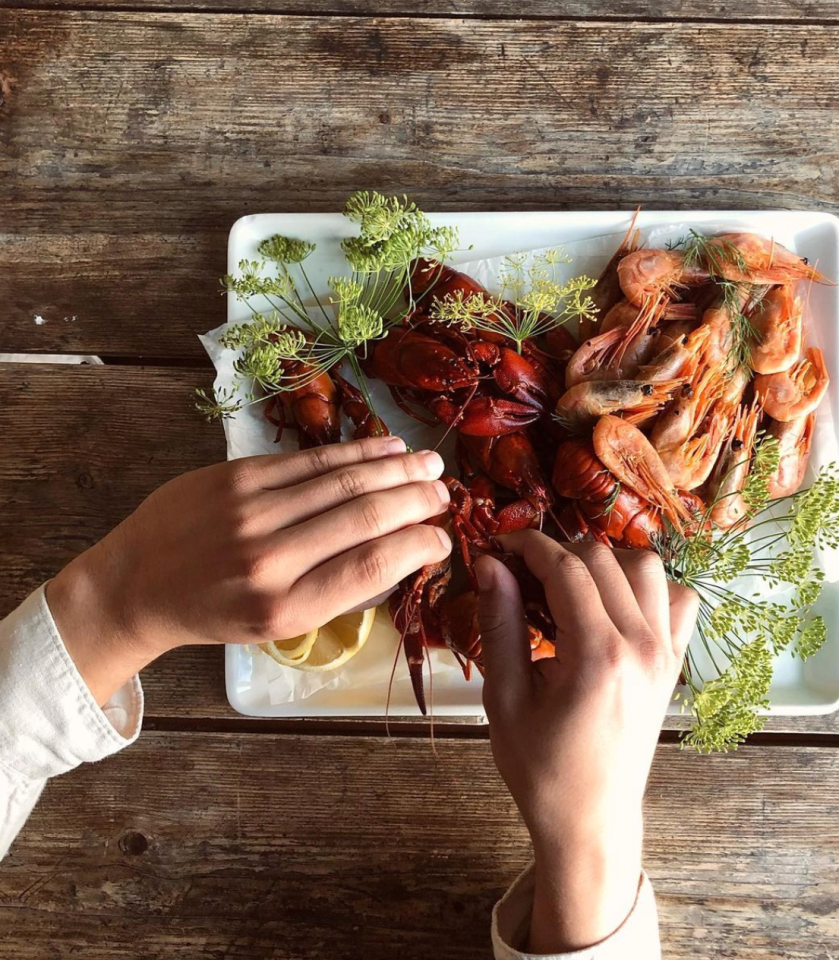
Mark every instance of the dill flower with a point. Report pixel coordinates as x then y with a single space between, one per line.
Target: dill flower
285 249
539 302
726 708
251 283
358 323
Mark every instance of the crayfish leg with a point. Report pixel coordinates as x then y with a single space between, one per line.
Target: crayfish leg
415 657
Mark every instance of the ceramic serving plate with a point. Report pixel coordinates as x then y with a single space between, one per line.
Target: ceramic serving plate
798 688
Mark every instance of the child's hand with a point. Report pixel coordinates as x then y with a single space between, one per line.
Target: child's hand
263 548
574 736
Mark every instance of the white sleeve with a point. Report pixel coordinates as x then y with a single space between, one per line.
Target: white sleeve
49 721
636 939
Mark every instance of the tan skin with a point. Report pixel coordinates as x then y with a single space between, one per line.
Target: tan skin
574 736
245 551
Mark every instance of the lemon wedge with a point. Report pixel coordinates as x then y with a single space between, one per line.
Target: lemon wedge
327 647
292 651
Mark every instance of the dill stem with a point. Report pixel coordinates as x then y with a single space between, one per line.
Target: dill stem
314 295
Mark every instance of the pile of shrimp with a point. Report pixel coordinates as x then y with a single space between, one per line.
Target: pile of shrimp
691 356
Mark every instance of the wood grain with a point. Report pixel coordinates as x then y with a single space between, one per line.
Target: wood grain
293 847
806 11
80 447
130 142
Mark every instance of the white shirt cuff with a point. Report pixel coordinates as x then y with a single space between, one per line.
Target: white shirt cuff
637 937
50 722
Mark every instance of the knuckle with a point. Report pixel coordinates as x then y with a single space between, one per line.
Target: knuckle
407 467
648 562
492 623
567 563
254 566
242 524
372 520
240 476
373 567
599 552
350 482
266 617
652 654
321 458
429 498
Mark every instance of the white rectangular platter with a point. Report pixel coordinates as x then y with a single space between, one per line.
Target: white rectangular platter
798 688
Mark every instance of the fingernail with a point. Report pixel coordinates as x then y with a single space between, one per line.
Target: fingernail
484 574
394 444
432 463
444 538
442 491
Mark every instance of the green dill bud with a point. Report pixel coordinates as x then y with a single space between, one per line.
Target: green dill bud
218 407
261 365
345 289
811 638
358 323
726 708
285 249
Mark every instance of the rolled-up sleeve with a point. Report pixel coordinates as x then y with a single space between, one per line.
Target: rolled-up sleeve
49 721
636 939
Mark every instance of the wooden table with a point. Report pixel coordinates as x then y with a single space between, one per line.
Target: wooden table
132 134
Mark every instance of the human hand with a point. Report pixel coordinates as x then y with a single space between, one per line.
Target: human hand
574 736
262 548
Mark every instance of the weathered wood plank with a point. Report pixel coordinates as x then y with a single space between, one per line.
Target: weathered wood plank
80 447
680 10
130 142
257 846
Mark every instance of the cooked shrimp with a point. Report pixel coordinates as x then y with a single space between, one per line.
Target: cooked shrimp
794 439
670 332
733 385
719 349
690 463
624 314
647 274
613 355
796 392
731 471
776 320
624 450
580 406
746 257
607 291
685 414
678 358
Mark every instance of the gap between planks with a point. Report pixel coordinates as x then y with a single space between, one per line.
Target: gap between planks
416 730
307 13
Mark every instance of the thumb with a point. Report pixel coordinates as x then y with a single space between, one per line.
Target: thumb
504 642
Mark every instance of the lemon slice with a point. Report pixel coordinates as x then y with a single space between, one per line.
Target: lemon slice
335 643
339 640
290 652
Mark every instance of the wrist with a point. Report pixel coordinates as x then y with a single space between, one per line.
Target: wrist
90 615
586 885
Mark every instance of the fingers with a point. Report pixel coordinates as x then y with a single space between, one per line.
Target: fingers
621 597
504 641
684 607
276 471
366 571
313 497
571 593
645 574
368 518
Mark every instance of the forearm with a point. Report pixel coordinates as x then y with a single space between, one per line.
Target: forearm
584 891
88 605
636 935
